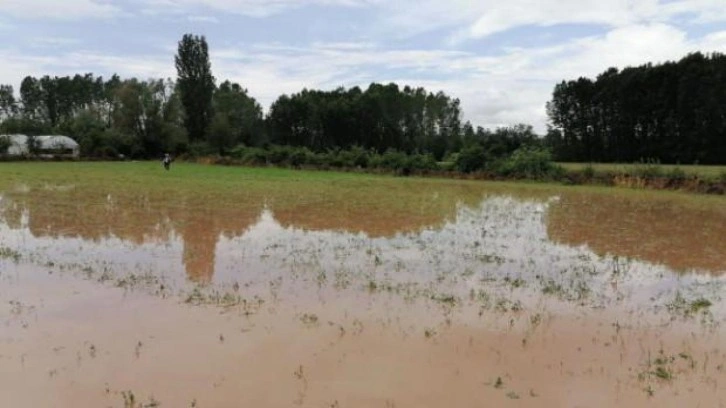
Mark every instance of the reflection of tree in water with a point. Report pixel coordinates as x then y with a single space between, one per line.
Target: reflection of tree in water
133 218
150 216
200 226
650 229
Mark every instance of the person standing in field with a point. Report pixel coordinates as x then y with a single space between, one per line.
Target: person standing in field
166 161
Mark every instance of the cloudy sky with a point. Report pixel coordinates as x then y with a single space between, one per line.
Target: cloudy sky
501 58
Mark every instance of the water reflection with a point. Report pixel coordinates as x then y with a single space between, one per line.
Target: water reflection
63 220
163 233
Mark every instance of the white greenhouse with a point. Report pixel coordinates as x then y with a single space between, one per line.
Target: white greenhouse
53 145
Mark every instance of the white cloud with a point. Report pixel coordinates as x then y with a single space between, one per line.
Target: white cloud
53 42
546 13
478 19
57 9
253 8
703 11
203 19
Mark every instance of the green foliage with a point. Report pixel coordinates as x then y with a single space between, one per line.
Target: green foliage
670 111
422 162
353 158
90 133
237 117
392 159
196 84
589 171
681 306
402 129
221 134
4 144
676 173
200 149
33 145
356 156
254 155
700 304
379 118
531 163
8 105
471 158
648 169
23 125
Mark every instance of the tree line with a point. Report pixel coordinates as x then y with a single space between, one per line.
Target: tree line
195 115
673 112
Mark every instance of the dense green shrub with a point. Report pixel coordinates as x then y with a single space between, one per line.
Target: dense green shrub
254 156
532 163
422 162
471 159
4 144
356 156
299 157
279 155
199 149
589 172
393 160
676 173
648 169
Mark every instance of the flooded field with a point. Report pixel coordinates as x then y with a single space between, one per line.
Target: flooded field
122 285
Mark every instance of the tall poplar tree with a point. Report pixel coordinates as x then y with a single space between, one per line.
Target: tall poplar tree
196 85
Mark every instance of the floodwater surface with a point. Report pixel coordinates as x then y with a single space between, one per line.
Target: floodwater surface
124 286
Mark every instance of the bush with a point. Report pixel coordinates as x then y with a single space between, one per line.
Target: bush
676 173
280 155
332 158
471 159
298 157
589 172
394 160
356 156
199 149
4 144
238 151
422 162
254 156
648 169
532 163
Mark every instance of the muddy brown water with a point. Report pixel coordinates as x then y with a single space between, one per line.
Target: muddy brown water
563 298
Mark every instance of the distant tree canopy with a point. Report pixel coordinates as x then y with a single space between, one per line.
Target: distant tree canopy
133 118
238 118
106 117
673 112
381 117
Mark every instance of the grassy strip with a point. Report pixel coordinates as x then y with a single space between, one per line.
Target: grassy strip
714 173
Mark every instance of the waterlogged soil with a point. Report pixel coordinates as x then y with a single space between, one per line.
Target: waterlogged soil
214 287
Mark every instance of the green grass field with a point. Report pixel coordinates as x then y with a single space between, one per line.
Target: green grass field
234 184
707 172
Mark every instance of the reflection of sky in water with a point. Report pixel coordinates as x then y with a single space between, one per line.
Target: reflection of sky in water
501 237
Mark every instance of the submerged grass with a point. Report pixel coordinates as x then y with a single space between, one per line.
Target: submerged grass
137 200
710 172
